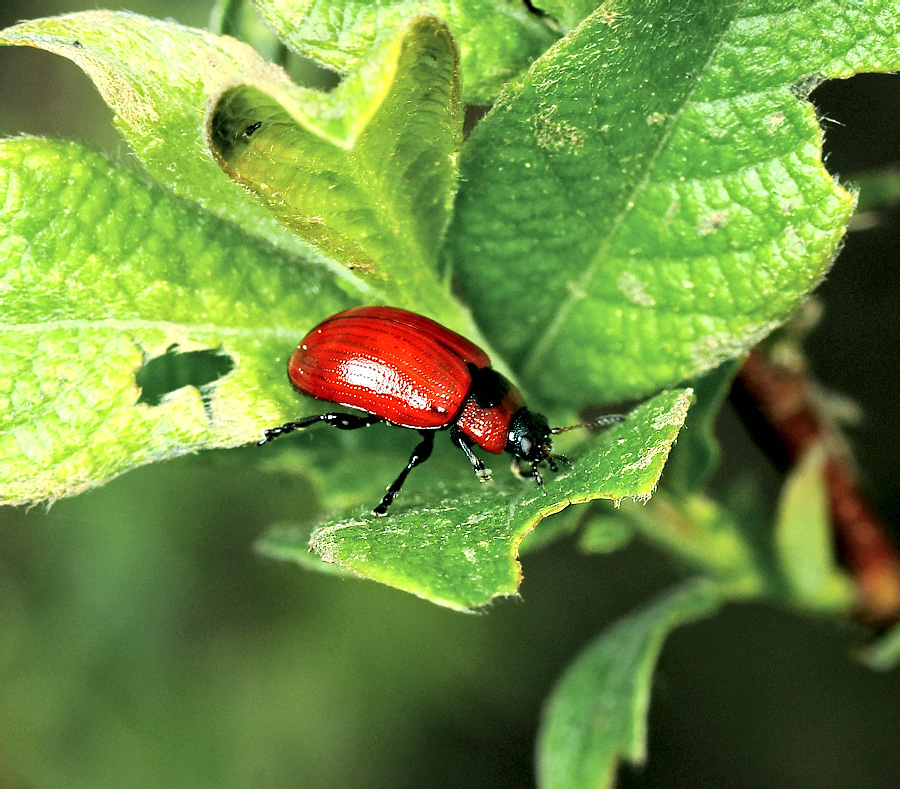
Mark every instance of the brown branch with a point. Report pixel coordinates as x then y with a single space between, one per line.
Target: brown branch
791 406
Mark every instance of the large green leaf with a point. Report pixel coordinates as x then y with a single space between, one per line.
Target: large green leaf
367 173
497 38
100 275
597 714
456 545
650 197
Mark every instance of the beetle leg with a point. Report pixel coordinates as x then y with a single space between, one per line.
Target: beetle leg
483 473
555 461
340 421
420 454
537 474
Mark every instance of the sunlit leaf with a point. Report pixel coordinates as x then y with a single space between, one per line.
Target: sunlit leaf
366 173
157 76
498 39
653 189
106 285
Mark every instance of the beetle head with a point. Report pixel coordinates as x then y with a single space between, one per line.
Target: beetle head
529 436
529 439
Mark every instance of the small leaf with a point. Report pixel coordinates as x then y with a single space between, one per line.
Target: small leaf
597 714
803 537
104 279
366 173
608 529
457 546
497 39
883 654
653 189
710 538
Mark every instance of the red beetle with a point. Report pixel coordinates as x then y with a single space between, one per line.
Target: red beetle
408 370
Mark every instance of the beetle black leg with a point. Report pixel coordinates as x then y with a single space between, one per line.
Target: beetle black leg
457 437
340 421
555 461
537 474
420 454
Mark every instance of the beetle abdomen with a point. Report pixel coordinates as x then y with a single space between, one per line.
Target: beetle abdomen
396 365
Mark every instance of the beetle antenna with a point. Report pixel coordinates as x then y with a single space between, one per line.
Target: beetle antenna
602 421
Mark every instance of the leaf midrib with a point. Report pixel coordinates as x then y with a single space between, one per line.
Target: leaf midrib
539 349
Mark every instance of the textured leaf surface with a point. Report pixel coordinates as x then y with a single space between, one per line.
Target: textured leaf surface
597 715
457 546
366 173
99 274
156 77
654 183
497 38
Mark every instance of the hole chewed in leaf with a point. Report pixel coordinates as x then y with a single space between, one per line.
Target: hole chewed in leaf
173 370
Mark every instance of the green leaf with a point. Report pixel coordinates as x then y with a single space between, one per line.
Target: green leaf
653 189
597 714
105 281
497 39
157 77
804 539
366 173
457 545
697 453
883 654
238 19
710 538
608 529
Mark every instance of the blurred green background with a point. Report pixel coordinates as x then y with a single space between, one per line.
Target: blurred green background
143 643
